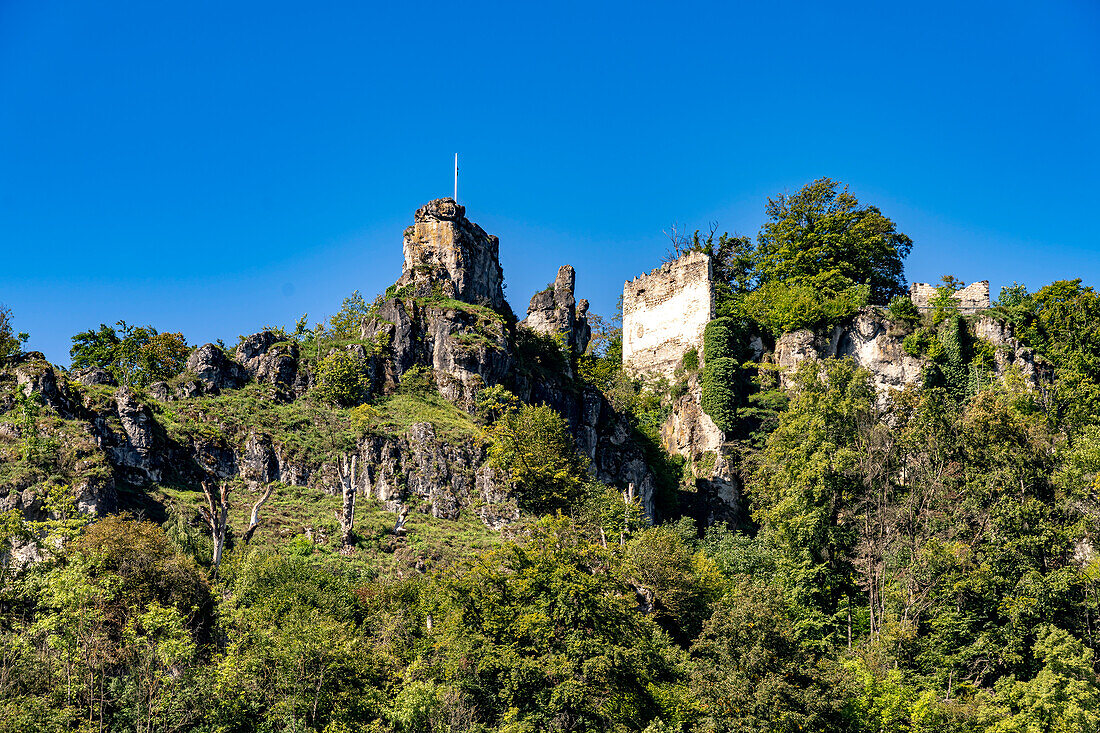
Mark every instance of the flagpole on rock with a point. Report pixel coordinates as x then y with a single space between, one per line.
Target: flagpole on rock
456 178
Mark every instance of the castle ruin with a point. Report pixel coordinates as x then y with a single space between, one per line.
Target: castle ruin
971 299
664 314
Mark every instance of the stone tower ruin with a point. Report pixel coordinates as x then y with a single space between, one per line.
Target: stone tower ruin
664 314
971 299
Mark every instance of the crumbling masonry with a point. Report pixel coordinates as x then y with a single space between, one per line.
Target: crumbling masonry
664 314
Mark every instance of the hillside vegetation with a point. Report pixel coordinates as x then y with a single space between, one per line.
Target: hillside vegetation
915 560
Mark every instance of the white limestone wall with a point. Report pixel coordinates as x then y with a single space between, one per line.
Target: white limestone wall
664 314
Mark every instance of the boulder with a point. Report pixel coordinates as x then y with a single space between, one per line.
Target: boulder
268 357
214 370
93 376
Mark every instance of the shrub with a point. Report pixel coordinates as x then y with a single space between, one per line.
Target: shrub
902 310
533 445
718 340
690 361
343 379
721 377
419 380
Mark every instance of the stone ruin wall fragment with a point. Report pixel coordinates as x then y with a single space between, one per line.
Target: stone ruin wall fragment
664 314
971 299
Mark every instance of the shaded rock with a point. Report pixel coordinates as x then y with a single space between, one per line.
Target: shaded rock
556 311
266 357
213 370
92 376
159 391
136 449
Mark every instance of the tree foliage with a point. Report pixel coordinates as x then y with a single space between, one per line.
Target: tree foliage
823 233
134 355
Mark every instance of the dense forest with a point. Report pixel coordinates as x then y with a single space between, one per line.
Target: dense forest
917 560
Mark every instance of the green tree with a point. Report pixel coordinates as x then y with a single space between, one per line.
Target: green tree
822 234
135 355
533 446
808 479
543 636
11 343
751 674
343 379
345 325
1064 697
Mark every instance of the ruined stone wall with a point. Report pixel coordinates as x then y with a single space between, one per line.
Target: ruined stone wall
664 314
971 299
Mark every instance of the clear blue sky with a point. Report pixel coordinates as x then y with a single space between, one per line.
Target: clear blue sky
213 167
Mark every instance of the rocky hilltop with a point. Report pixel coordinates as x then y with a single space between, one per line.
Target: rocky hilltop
248 414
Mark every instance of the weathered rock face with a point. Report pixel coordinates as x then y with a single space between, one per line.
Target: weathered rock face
135 450
34 375
443 248
872 343
436 476
466 349
266 358
867 339
690 432
1010 353
213 370
93 376
556 311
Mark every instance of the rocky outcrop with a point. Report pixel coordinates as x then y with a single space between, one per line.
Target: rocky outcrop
34 375
270 358
445 250
213 370
93 376
556 311
135 447
1010 353
691 433
466 348
867 338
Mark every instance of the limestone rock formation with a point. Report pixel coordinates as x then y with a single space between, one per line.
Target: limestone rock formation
135 447
267 357
1009 352
867 338
691 433
556 311
213 370
446 250
93 376
466 349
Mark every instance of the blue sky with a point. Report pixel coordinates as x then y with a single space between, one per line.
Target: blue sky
214 167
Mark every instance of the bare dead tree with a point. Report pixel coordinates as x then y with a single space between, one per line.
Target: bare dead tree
254 518
216 515
346 466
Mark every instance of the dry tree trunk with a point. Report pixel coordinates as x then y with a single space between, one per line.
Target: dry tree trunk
254 518
216 514
347 512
